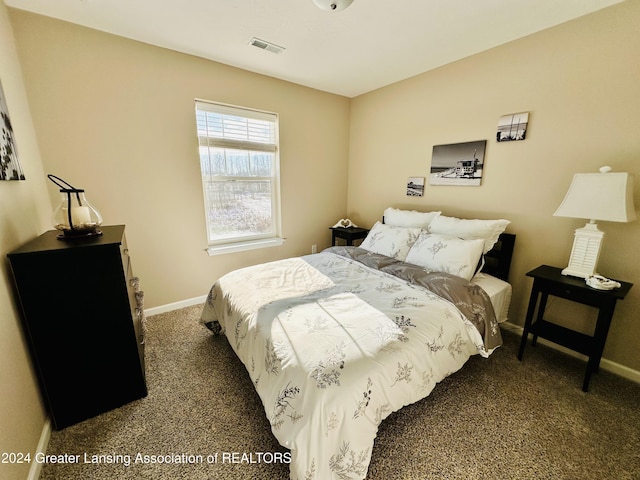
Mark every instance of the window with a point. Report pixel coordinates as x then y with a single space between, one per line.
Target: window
240 176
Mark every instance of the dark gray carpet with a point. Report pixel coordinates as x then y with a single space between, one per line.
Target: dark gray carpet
497 418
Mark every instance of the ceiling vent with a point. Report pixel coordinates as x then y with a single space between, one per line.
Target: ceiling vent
264 45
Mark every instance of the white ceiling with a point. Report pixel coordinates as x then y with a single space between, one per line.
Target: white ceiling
371 44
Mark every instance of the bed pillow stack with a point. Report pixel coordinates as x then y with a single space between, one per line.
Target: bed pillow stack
395 237
435 242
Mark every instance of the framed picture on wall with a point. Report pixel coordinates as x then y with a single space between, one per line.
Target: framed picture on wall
10 168
458 164
415 186
512 127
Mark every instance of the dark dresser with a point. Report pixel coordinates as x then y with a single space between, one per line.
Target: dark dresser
83 317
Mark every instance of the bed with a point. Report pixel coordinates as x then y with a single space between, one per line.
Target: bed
336 341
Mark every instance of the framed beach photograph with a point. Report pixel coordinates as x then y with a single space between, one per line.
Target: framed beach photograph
415 186
458 164
512 127
10 168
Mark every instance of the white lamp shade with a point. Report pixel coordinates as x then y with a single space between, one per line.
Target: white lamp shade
599 196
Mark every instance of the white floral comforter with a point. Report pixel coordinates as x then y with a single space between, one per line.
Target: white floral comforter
334 346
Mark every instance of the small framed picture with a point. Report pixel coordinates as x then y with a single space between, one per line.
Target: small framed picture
415 186
512 127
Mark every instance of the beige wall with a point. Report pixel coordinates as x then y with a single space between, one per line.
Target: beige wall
116 117
24 211
579 81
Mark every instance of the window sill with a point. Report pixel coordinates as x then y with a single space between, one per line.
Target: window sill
240 246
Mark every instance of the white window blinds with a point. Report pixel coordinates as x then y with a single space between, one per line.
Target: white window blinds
239 165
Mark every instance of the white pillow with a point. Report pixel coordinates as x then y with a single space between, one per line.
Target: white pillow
488 230
408 218
391 241
442 253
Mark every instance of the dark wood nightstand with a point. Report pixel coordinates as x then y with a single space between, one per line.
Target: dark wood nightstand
348 234
550 281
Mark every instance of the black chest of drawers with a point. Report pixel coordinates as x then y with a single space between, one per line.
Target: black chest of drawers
83 321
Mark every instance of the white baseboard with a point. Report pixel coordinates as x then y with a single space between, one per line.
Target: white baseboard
43 443
175 306
608 365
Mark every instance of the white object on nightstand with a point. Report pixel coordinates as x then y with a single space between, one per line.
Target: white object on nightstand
345 223
597 196
601 283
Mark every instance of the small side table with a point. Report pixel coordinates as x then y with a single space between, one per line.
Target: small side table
348 234
550 281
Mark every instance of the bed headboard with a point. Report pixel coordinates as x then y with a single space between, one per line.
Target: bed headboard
497 261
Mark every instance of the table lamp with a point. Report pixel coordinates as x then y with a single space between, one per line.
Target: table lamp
604 196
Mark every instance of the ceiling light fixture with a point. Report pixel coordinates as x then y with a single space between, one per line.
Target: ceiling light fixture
332 5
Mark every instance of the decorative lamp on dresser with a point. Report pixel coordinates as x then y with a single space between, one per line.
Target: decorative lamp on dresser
82 315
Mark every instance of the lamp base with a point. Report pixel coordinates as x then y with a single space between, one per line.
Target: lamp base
585 253
573 272
78 234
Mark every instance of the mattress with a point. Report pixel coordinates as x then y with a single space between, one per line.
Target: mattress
499 292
